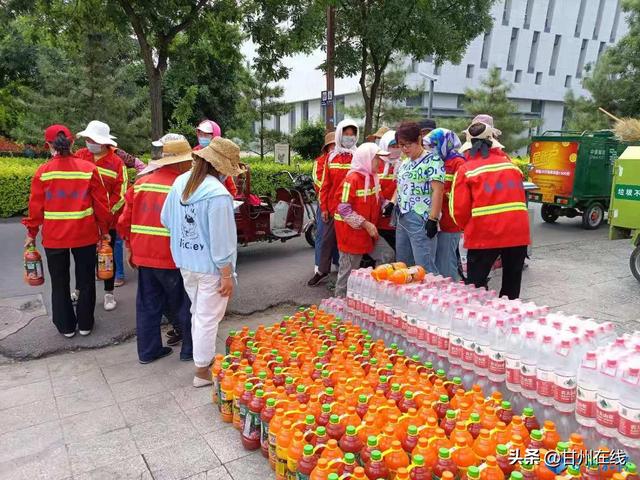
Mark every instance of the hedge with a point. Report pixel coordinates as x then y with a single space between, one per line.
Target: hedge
16 173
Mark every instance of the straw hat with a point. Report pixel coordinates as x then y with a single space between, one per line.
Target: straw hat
378 134
224 155
329 138
174 151
99 132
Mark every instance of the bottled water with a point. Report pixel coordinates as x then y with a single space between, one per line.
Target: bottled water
456 339
629 409
545 378
587 390
469 341
512 360
497 351
528 364
481 357
607 398
566 359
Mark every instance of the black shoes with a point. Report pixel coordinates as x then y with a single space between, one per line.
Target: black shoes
174 337
316 279
164 351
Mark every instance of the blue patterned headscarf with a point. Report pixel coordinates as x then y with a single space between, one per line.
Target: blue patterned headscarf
445 143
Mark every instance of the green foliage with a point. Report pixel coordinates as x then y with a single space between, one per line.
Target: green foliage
455 124
262 171
492 99
308 140
581 113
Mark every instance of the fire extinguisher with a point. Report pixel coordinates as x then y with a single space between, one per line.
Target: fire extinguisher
33 273
105 260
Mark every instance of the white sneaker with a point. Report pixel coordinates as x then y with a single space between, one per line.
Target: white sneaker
70 335
109 302
84 333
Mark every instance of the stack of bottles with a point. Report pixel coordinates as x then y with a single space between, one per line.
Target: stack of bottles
533 352
323 400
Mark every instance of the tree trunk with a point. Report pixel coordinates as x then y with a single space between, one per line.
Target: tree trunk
261 136
155 98
370 102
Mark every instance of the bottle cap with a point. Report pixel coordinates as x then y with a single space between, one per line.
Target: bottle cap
441 373
516 476
473 472
395 387
362 399
248 386
408 395
457 381
329 391
307 450
322 431
271 402
301 389
277 371
474 417
413 430
536 434
573 470
563 446
248 370
288 380
444 399
418 460
333 476
326 408
334 419
260 393
349 458
376 455
444 453
351 430
372 441
309 419
506 405
502 450
451 414
631 468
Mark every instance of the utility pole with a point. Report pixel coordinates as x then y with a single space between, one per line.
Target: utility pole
432 83
331 41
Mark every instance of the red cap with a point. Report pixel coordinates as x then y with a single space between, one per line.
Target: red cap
52 132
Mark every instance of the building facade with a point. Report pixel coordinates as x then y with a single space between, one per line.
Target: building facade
541 47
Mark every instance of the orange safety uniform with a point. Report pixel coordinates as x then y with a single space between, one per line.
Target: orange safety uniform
450 167
487 200
388 186
363 202
140 225
70 202
318 171
335 172
113 173
229 184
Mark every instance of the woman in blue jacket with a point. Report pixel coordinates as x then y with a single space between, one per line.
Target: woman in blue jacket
199 215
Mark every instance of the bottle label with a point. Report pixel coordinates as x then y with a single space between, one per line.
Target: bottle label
527 376
443 339
281 466
468 351
629 425
586 401
432 335
455 346
351 302
264 433
512 366
423 333
105 262
388 317
34 268
497 363
226 407
380 315
544 382
481 359
412 328
606 411
396 321
302 476
565 390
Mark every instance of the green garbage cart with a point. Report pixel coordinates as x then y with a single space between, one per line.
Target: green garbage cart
624 213
573 173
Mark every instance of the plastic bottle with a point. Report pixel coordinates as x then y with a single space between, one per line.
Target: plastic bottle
376 468
484 446
513 356
335 429
529 419
490 470
306 464
517 427
528 365
497 352
629 407
501 434
463 455
502 459
243 404
321 471
545 370
444 464
505 412
226 395
295 453
567 360
473 473
350 443
274 429
33 271
418 469
365 453
448 424
469 342
282 444
104 263
607 399
410 440
527 470
550 436
347 466
442 406
251 432
474 426
332 451
483 346
458 324
396 458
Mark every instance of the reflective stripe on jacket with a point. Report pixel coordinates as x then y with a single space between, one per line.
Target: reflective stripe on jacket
140 224
335 172
318 171
487 200
364 202
70 202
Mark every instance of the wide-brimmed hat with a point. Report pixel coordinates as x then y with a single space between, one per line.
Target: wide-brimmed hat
99 132
487 133
379 133
224 155
174 151
167 138
329 138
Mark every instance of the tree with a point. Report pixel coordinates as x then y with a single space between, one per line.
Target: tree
492 99
156 25
308 140
581 113
369 35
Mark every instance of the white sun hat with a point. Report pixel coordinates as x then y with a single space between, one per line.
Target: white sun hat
99 132
169 137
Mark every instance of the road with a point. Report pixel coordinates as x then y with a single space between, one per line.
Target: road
268 275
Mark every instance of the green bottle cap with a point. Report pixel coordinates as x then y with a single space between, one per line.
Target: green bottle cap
373 361
457 381
413 430
372 441
444 453
527 412
395 387
536 434
307 450
325 374
451 414
237 354
309 419
527 466
384 379
516 476
475 417
441 373
248 370
362 399
506 405
334 419
401 352
389 366
349 458
418 460
318 366
408 395
352 348
415 358
260 394
329 391
274 351
333 476
255 350
225 365
502 450
288 380
262 375
631 468
573 470
326 408
394 346
321 431
444 399
233 333
277 371
279 359
429 365
351 430
473 472
248 386
271 402
563 446
376 455
301 389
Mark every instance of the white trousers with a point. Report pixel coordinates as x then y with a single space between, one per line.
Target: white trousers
207 309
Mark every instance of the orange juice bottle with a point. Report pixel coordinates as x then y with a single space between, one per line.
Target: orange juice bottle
500 435
484 446
440 440
463 455
226 395
517 427
295 451
332 451
321 471
274 429
215 371
368 428
550 436
429 454
386 438
489 418
396 458
283 440
576 443
358 474
491 470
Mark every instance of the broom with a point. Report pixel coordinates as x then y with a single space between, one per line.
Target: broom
625 129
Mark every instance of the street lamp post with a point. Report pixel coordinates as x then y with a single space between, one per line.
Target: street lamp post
432 81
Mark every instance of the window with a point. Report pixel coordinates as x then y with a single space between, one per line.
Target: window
461 101
554 55
338 107
276 123
596 27
536 105
513 46
567 81
538 78
499 70
602 48
506 13
414 101
583 53
518 76
549 19
614 27
486 45
437 69
580 18
534 52
527 14
292 119
414 66
323 112
305 112
469 71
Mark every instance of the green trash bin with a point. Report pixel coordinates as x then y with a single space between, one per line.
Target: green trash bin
624 212
573 173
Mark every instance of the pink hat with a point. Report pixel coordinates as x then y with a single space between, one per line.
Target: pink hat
209 126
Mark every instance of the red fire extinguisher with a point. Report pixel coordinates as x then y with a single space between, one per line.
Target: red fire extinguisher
33 273
105 261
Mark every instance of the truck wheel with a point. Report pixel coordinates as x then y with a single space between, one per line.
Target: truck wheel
593 216
310 234
634 263
548 213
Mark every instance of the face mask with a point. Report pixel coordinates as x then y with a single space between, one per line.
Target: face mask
203 142
348 141
94 148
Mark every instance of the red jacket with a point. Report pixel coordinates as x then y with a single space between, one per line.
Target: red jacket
450 167
335 172
229 184
388 186
364 203
318 171
487 200
69 201
113 173
140 226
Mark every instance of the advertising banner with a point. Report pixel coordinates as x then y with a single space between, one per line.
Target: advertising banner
554 167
